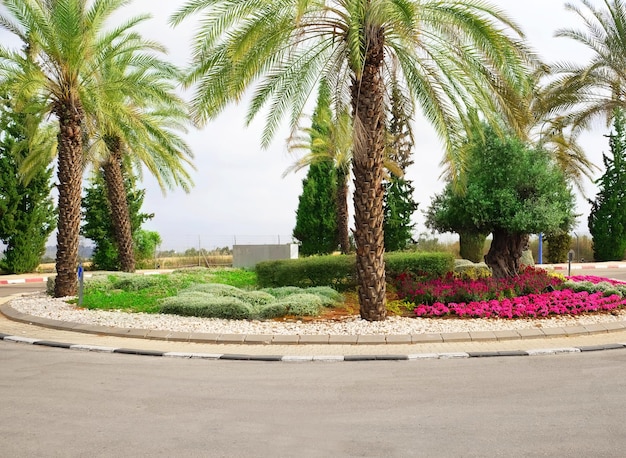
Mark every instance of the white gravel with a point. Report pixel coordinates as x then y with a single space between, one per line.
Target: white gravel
41 305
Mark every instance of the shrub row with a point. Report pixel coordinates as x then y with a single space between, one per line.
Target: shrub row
339 272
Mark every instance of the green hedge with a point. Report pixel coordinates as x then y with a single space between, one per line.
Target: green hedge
339 272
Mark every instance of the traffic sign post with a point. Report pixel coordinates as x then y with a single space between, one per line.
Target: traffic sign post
80 284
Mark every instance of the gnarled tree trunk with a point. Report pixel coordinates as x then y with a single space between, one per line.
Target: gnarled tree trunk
120 215
505 253
367 163
70 176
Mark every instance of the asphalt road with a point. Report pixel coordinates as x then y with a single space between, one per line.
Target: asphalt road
21 288
60 403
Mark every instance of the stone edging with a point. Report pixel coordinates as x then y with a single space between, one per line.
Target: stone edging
266 339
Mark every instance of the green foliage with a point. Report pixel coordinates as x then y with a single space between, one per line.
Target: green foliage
27 214
316 216
302 304
98 225
399 207
146 243
558 246
510 187
511 190
607 219
429 264
338 271
472 245
471 271
206 306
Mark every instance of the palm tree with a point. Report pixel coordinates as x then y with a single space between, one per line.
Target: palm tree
586 92
451 54
66 43
135 122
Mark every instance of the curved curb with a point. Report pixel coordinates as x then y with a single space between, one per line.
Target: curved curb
295 359
266 339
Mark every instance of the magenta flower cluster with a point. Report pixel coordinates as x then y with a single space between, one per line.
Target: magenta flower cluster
453 289
534 293
595 280
533 305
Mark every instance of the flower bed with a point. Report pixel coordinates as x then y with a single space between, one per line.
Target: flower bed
565 302
535 293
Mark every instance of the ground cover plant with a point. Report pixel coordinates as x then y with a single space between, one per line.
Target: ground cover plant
141 293
202 292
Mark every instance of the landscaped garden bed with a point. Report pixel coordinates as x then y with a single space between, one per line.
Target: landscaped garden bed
233 294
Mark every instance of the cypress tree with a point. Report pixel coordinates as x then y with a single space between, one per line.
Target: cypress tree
607 219
98 225
27 214
316 216
316 223
399 204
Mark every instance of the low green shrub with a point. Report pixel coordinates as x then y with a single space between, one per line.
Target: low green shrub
326 292
339 272
282 291
205 305
223 301
432 265
132 282
275 310
472 271
302 304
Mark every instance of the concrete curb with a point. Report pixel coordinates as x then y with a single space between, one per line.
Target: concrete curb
295 359
318 340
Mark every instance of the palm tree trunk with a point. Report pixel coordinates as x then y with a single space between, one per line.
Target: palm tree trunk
120 215
70 174
369 142
342 213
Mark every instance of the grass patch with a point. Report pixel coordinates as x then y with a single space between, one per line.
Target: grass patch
141 293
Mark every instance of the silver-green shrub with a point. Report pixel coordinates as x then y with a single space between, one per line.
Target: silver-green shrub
275 310
302 304
283 291
325 292
206 306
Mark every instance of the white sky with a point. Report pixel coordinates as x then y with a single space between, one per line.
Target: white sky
239 194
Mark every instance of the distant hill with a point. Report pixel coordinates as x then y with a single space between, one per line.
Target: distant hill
84 252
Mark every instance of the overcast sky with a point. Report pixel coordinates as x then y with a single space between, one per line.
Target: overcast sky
239 192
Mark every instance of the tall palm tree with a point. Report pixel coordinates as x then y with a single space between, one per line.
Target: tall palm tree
451 54
134 120
582 93
66 43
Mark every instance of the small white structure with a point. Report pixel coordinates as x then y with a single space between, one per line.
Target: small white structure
247 256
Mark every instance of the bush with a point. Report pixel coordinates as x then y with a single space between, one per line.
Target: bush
325 292
432 265
283 291
472 271
339 272
271 311
223 301
302 304
132 282
206 306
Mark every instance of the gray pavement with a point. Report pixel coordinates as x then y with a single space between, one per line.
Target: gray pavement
58 403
